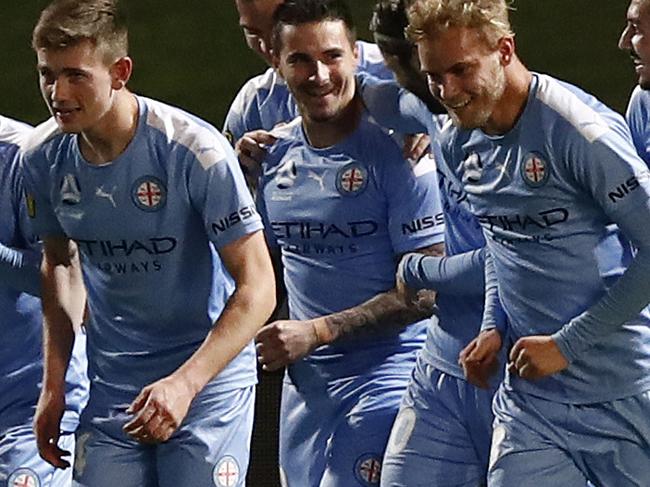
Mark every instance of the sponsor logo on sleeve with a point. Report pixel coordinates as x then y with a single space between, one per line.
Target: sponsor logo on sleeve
367 469
233 219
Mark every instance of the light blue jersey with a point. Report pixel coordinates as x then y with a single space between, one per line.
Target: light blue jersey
638 119
148 226
545 193
21 358
340 216
265 100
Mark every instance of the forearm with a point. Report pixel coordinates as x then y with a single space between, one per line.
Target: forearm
244 314
20 269
63 301
385 310
461 274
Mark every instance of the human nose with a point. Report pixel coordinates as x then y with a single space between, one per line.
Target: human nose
60 89
447 89
321 72
625 42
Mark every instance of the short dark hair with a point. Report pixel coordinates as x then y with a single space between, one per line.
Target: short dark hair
65 23
297 12
387 24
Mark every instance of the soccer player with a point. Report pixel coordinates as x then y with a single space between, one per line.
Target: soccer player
546 168
149 202
443 430
635 38
21 364
264 100
342 204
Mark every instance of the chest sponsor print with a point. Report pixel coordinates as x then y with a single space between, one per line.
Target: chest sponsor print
149 193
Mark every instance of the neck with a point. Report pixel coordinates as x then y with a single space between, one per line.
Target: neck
513 101
109 138
330 132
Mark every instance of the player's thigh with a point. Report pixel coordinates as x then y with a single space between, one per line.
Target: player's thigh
103 460
433 442
20 463
212 446
307 421
614 440
528 448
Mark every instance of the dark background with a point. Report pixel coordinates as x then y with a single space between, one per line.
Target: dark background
190 53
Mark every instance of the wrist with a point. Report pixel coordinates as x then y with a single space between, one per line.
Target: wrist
322 332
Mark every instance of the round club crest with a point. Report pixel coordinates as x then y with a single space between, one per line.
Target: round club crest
367 469
149 193
23 477
535 171
351 179
226 472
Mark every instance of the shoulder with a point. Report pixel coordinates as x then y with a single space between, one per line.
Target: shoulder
288 136
371 61
568 111
639 105
259 89
176 127
42 138
13 132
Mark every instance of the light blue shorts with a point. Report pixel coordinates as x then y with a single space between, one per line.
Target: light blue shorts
335 434
442 433
540 443
211 448
21 465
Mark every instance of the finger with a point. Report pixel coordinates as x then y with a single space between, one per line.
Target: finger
512 368
264 138
138 402
466 352
143 417
264 334
516 349
55 455
274 365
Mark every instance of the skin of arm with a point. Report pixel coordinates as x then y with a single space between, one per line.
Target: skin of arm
63 298
283 342
160 407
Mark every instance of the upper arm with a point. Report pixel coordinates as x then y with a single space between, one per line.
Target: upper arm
247 260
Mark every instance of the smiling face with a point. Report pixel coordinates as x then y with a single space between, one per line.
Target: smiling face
464 74
635 38
78 85
318 61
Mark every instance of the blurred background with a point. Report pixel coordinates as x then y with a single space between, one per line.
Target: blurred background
191 54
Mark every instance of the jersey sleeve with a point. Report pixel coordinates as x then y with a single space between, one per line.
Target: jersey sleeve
611 172
36 172
415 218
392 106
243 115
219 193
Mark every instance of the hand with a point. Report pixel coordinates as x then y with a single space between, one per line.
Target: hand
535 357
415 146
283 342
251 151
479 358
159 410
47 427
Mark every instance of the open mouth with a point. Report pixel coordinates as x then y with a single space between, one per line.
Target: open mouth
458 106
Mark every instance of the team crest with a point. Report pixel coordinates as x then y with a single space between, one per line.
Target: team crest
352 179
226 472
70 191
367 469
535 171
23 477
149 193
285 177
472 168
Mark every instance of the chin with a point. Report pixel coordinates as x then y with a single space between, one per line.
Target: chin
644 83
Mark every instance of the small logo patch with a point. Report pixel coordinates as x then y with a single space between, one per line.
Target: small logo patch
31 205
70 191
367 469
23 477
226 472
535 170
472 168
149 193
351 179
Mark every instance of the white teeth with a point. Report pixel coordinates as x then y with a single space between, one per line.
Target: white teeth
459 105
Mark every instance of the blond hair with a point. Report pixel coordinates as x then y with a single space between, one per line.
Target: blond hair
490 17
